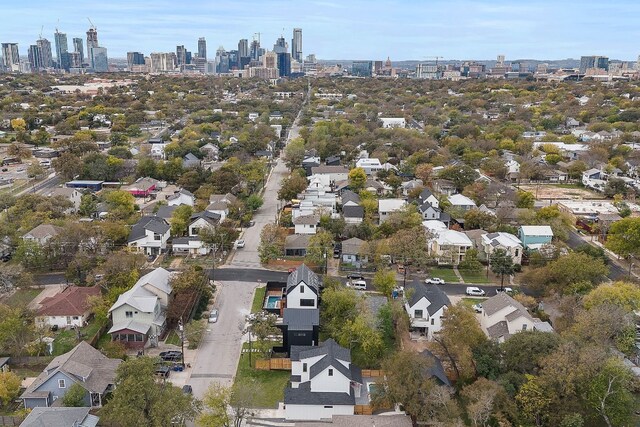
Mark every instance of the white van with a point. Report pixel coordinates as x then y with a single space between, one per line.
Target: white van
359 284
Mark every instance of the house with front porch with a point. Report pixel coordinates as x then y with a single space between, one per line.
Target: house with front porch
303 288
83 365
533 237
139 314
149 235
426 305
69 308
352 252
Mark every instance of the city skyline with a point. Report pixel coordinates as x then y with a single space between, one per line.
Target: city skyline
358 30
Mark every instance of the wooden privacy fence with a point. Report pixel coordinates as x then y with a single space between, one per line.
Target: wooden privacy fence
279 364
10 420
372 373
363 410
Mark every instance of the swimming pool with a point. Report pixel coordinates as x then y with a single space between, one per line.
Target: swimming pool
273 301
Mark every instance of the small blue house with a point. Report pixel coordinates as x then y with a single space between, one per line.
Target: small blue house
533 237
84 365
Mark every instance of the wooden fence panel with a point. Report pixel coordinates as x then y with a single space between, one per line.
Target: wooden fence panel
372 373
279 364
363 410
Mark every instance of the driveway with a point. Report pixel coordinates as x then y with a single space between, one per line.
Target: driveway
218 354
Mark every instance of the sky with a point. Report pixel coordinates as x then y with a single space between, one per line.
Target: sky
342 29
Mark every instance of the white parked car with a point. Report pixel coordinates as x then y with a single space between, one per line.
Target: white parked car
213 316
477 308
239 244
358 284
505 289
434 281
474 291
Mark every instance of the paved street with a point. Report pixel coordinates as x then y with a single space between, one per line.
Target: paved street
218 354
247 257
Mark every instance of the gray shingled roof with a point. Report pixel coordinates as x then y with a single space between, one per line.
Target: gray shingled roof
349 196
425 194
59 417
353 211
297 241
501 301
436 370
152 223
500 329
329 346
301 319
304 274
436 297
307 219
165 212
303 396
210 217
352 246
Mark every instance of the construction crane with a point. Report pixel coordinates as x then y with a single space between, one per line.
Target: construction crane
93 27
41 30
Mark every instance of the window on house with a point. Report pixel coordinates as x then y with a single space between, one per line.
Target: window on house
418 314
311 226
75 317
330 372
328 406
433 321
307 303
304 367
128 314
195 230
524 327
302 289
62 384
157 237
517 252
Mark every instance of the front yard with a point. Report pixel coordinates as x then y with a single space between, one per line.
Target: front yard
475 276
445 274
21 297
258 299
269 385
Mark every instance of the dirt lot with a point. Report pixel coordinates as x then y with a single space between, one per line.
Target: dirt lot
557 192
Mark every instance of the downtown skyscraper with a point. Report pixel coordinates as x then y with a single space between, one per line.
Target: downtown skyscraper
11 57
202 48
296 44
45 51
78 46
62 50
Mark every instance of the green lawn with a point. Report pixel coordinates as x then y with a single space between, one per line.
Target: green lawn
64 341
269 385
470 302
172 338
258 299
475 277
22 297
446 274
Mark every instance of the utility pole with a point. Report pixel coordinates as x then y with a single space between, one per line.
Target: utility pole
181 327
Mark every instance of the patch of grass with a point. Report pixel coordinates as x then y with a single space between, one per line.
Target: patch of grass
91 329
104 339
258 299
22 297
470 302
172 338
64 341
445 274
575 186
474 276
269 384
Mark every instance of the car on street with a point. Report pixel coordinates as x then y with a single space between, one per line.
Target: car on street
171 356
213 316
505 289
358 284
477 308
355 276
239 244
474 291
434 281
187 389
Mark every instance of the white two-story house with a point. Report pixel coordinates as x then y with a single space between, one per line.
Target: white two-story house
426 305
303 288
193 244
505 241
149 235
324 382
139 315
306 224
503 316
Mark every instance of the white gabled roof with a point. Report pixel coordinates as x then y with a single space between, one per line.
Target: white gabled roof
388 205
507 240
434 225
158 278
141 298
461 200
452 237
536 230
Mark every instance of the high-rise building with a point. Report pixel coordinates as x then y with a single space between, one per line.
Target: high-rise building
255 49
281 45
587 62
202 48
243 48
270 60
75 60
92 40
500 61
35 58
45 51
222 61
78 47
284 64
362 68
11 57
100 62
296 44
181 54
62 50
163 62
134 58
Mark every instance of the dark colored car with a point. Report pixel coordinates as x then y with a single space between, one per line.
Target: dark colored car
187 389
163 371
171 356
355 276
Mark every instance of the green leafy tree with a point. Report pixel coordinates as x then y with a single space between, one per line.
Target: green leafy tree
609 393
461 176
364 340
292 186
525 199
139 400
624 237
294 153
475 218
271 242
74 397
121 204
501 264
572 273
254 202
180 219
470 261
10 385
534 400
320 246
385 281
194 332
35 170
622 294
16 330
357 179
216 402
88 204
524 351
338 304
